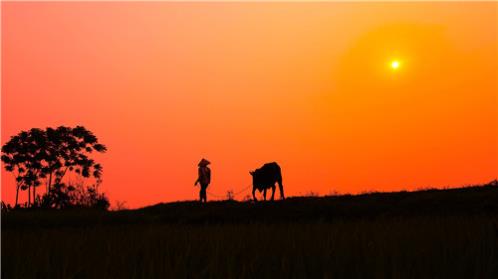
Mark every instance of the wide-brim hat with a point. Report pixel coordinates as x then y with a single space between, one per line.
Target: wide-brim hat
204 162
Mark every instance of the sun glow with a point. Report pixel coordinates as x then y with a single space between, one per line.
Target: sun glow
395 64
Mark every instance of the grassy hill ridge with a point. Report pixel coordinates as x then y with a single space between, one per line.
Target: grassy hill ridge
449 233
470 200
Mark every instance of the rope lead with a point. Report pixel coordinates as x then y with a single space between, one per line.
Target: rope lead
234 194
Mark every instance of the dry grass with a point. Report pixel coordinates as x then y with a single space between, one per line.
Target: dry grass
145 244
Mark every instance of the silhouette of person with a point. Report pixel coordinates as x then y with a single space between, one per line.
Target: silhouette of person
204 178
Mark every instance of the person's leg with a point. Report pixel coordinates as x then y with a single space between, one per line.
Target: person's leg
204 196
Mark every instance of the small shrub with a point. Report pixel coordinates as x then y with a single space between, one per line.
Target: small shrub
120 205
78 195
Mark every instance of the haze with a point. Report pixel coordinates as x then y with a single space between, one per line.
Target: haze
309 85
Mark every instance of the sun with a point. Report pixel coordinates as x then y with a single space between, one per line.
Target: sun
395 64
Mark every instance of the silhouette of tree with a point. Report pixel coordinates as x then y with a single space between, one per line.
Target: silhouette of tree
22 156
37 155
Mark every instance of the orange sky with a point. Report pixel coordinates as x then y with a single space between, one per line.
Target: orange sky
305 84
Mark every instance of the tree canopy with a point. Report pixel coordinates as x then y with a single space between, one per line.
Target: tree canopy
38 155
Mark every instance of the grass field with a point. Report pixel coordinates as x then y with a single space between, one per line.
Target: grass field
425 234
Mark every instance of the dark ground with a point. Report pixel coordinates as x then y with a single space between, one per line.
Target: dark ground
449 233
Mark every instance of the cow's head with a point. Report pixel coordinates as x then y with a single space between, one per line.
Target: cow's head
252 173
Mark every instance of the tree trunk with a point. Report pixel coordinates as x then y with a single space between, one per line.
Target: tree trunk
29 196
17 194
49 182
34 195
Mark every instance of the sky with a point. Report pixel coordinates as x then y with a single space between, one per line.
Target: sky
309 85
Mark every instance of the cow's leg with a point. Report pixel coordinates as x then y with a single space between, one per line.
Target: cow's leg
264 194
254 194
272 191
281 188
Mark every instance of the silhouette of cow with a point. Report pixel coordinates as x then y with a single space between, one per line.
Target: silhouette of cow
265 178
